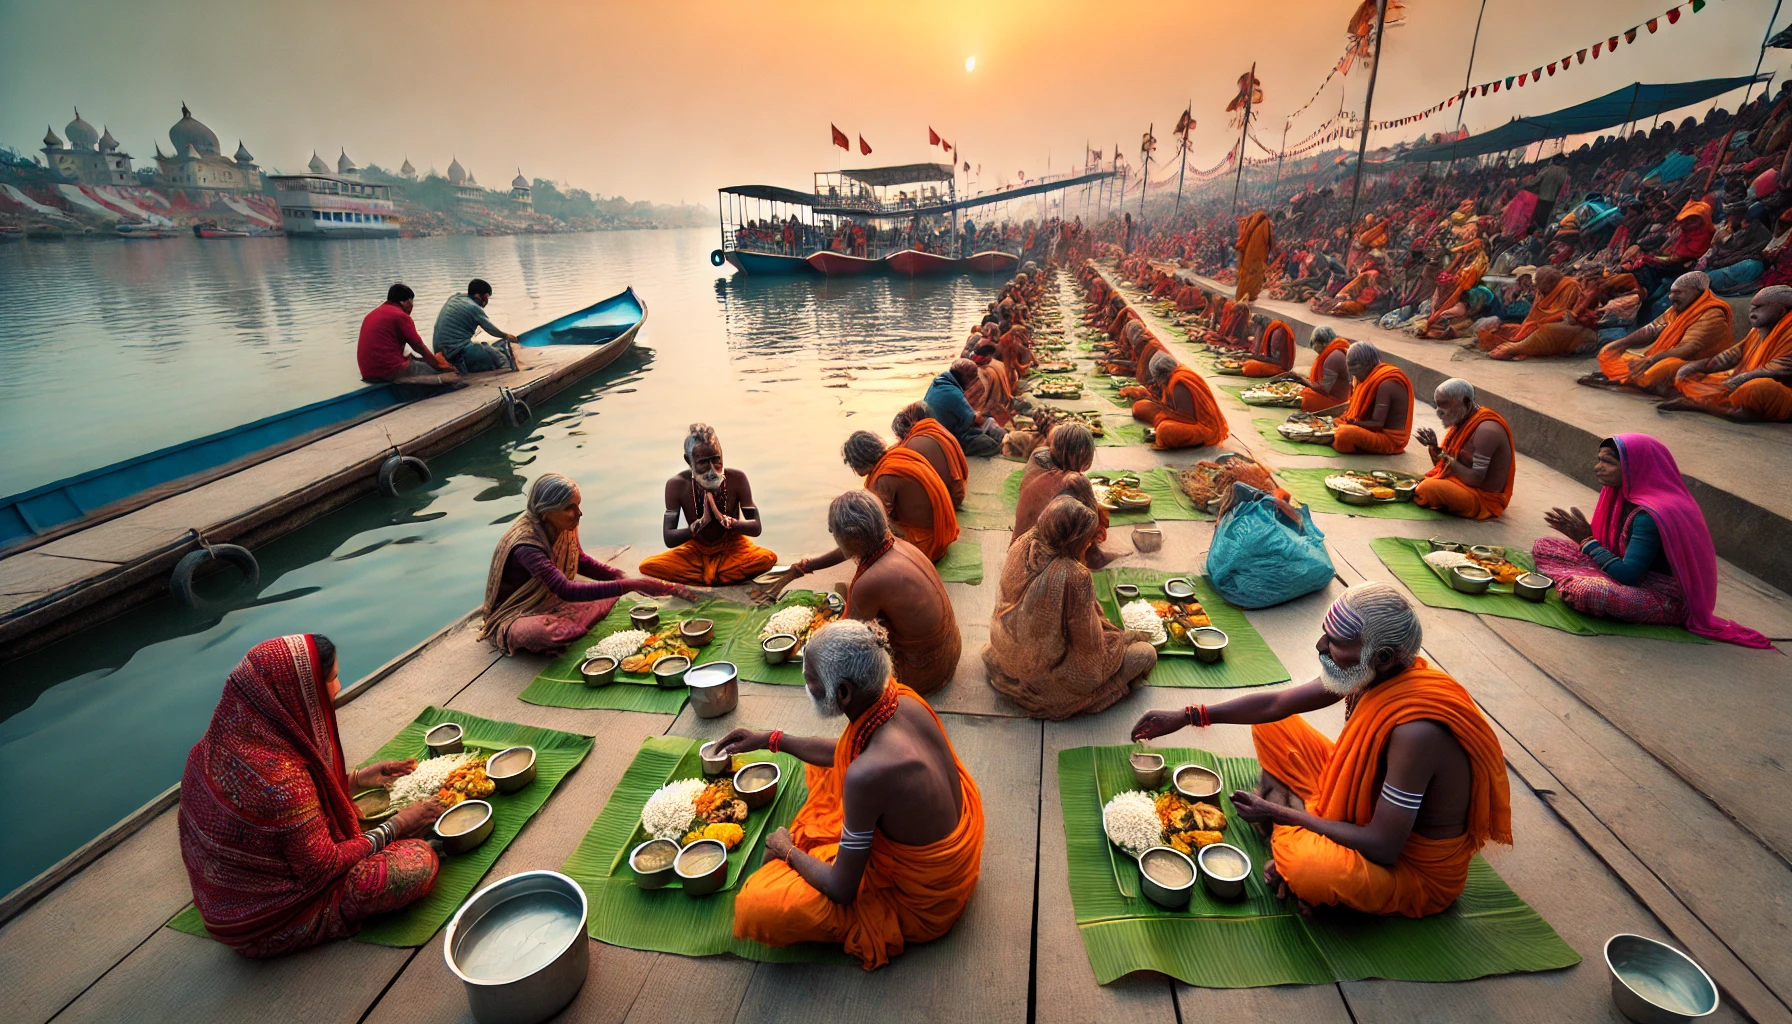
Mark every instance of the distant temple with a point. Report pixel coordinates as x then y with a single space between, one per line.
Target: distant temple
519 190
198 163
89 157
407 172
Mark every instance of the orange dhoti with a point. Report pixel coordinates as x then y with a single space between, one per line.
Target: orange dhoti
1762 398
1337 781
1319 401
1562 338
908 893
1704 326
1448 494
1259 368
1352 438
1619 368
697 563
1179 430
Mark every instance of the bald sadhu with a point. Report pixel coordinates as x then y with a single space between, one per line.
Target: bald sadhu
1473 469
1752 379
1379 420
1386 818
1695 326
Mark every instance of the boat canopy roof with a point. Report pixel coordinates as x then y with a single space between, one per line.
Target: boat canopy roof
885 177
864 206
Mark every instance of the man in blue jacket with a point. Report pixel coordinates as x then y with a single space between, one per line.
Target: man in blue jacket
979 435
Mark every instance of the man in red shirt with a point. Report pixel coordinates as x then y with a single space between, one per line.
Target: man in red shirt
385 333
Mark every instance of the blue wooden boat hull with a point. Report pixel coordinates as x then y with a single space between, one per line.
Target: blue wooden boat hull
767 263
597 324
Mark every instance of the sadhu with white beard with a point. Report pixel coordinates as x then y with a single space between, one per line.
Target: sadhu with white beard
1385 819
716 505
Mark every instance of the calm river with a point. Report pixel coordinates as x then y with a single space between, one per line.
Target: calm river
118 348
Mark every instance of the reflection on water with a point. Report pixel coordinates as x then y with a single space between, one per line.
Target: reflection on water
783 368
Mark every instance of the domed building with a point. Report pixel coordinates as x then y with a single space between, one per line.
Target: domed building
519 190
198 162
88 157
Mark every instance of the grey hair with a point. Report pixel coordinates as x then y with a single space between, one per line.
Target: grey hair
1778 294
862 451
1387 621
550 492
858 518
1694 279
1458 389
847 651
700 434
1361 352
1321 337
1161 366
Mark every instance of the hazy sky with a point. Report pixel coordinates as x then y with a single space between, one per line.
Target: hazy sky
667 100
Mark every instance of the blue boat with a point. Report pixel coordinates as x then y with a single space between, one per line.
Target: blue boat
614 319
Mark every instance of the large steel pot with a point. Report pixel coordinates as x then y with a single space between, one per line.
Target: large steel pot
519 947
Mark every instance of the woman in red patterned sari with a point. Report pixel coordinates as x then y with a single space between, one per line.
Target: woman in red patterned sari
268 831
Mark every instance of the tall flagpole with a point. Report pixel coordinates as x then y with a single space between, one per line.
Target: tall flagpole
1362 147
1763 54
1250 90
1184 171
1145 178
1467 76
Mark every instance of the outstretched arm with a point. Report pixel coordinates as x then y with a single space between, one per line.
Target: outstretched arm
814 750
1250 709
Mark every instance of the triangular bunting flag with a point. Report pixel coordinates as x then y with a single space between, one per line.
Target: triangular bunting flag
1630 34
1596 47
864 147
1581 57
933 137
1674 16
1536 73
1496 85
1653 23
1697 6
1612 43
1552 69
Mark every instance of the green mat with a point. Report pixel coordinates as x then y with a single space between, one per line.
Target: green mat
985 510
749 658
1169 503
1237 391
1308 486
1260 940
1248 660
1404 557
962 563
556 754
667 920
560 686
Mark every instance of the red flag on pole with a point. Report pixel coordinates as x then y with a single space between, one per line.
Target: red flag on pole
947 145
863 148
933 137
840 139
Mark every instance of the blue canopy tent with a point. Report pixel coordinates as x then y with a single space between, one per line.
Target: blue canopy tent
1634 102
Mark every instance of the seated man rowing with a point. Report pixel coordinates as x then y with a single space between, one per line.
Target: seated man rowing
1184 413
1472 472
1327 384
1379 420
461 315
712 548
1695 326
1751 381
911 491
888 846
917 430
1385 819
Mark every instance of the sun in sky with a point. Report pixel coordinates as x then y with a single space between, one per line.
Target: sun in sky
970 63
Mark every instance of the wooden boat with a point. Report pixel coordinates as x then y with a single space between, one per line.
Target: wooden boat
765 263
914 262
839 264
616 318
214 231
992 262
141 231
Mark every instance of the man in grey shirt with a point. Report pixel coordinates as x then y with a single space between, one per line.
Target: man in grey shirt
461 315
1548 185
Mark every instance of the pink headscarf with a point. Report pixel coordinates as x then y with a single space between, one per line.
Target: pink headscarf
1652 482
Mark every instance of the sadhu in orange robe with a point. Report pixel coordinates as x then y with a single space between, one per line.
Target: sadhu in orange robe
704 563
908 893
935 536
1448 494
1318 401
1254 241
1175 430
1274 353
1543 332
1765 399
1352 438
1676 325
1338 782
961 470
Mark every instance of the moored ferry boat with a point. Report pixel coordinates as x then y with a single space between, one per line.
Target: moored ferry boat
334 206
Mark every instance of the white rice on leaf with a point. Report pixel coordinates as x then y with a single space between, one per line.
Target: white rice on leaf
1131 821
426 781
792 620
669 812
619 645
1141 616
1447 560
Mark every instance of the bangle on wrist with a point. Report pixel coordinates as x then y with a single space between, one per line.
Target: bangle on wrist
772 741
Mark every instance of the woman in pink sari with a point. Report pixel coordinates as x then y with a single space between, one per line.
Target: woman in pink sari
268 831
1647 555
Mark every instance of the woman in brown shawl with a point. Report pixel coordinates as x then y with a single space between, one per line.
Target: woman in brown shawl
532 602
1050 649
1053 470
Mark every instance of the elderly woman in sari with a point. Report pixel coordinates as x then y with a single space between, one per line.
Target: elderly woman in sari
268 829
533 601
1065 459
1050 648
1647 555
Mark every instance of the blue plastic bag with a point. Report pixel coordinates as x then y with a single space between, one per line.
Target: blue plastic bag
1259 559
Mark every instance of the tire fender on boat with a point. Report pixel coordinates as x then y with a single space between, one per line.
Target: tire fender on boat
393 465
715 258
516 410
181 583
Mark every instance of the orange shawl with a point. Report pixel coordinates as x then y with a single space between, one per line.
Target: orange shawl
908 893
1457 438
1758 351
1263 351
933 537
1675 324
1362 400
953 449
1318 372
1548 309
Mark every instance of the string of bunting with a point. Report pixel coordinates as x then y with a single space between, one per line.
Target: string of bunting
1337 67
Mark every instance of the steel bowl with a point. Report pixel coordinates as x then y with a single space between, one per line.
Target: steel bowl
1439 544
1209 642
714 764
771 577
1126 591
709 881
373 806
1654 983
598 671
464 826
763 796
1171 897
658 877
644 616
1223 886
1179 588
777 648
519 947
1405 492
1470 579
511 769
1352 498
1161 642
697 632
715 689
1487 550
1533 586
1198 782
1147 539
836 603
669 672
445 739
1148 770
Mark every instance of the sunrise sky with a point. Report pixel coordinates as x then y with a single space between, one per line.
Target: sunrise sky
670 99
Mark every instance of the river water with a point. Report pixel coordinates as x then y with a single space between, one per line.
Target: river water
117 348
